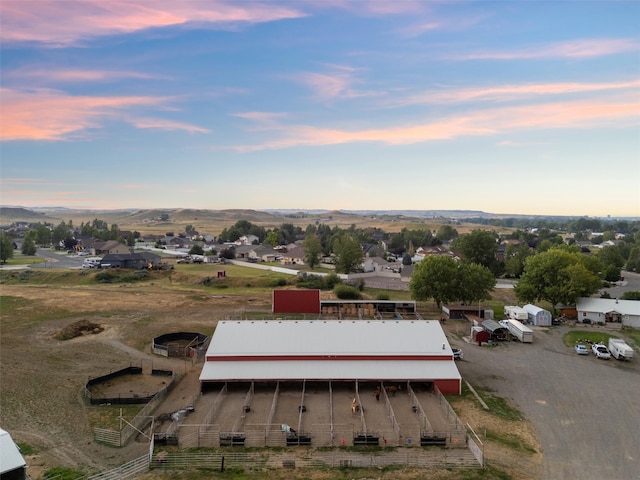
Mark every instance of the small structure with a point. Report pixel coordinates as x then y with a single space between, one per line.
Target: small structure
130 260
609 310
495 330
538 316
180 344
516 313
12 464
466 311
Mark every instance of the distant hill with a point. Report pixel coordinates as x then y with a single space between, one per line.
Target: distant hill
9 215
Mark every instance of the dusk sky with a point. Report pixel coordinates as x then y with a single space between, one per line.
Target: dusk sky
517 107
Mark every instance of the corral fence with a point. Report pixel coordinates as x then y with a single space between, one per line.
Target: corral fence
181 344
119 438
409 457
123 398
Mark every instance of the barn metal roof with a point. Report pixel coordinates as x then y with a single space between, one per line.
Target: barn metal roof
289 370
329 350
329 337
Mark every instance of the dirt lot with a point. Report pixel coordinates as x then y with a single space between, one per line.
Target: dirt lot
42 378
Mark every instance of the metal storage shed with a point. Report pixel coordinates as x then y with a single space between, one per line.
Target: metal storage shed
538 316
495 330
338 350
12 464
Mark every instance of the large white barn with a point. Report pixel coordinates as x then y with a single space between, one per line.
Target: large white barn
336 350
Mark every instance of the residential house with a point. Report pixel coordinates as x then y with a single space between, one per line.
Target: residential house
379 264
609 310
293 256
247 240
110 246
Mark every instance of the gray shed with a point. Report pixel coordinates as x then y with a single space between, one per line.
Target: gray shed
538 316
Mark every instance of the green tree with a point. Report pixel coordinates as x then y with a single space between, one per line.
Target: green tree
60 234
446 233
42 235
435 277
630 296
6 247
29 245
558 276
196 250
633 262
475 283
349 253
479 247
312 250
272 239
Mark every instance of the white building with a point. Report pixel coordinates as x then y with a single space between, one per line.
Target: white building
609 310
335 350
12 464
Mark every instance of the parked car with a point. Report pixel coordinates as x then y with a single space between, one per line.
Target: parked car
600 351
457 354
581 349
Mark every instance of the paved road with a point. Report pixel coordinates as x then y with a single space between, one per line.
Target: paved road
586 411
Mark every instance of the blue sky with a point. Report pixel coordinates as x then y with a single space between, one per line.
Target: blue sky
508 107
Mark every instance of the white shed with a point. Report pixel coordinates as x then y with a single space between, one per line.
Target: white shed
12 465
538 316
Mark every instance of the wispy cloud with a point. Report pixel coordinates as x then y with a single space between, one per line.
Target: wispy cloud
336 84
162 124
70 75
43 114
585 48
620 114
57 23
512 92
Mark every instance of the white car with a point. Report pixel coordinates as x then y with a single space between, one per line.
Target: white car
457 354
600 351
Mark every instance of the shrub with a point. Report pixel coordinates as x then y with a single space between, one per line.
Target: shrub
310 281
105 277
347 292
331 280
383 296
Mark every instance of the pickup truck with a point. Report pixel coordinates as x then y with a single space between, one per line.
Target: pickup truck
600 351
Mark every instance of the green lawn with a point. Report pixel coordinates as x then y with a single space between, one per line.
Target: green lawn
574 337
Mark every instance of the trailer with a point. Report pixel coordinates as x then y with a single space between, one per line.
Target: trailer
516 313
619 349
518 330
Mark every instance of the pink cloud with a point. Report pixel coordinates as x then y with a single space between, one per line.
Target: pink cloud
51 115
514 92
65 23
76 75
573 49
336 84
620 114
161 124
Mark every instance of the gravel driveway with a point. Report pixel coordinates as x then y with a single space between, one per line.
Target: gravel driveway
586 411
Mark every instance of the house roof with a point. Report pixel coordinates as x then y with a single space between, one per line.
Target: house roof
121 257
10 456
329 349
606 305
